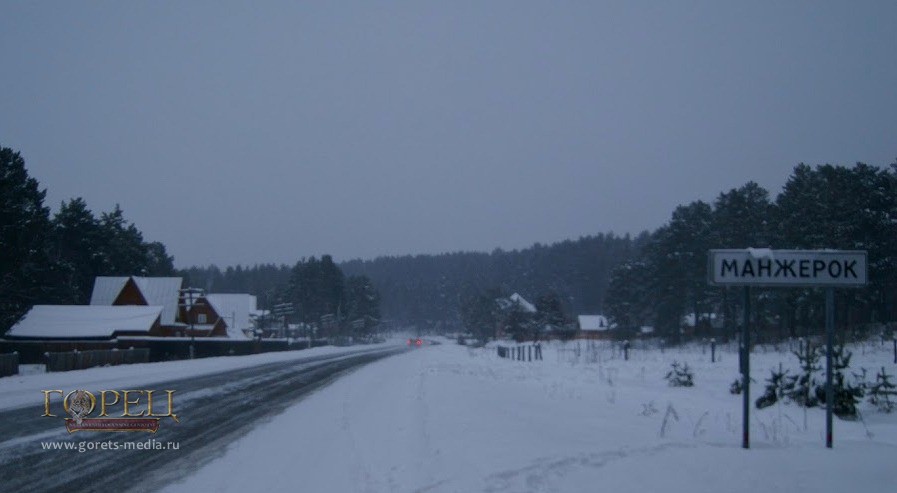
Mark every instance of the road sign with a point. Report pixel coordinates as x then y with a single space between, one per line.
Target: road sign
788 268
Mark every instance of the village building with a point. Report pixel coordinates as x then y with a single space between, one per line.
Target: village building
594 327
86 322
143 291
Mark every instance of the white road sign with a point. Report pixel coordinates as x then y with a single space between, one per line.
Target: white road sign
765 267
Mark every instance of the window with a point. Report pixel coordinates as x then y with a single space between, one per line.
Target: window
201 318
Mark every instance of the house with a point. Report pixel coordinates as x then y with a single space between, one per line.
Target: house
87 322
235 310
593 327
201 319
142 291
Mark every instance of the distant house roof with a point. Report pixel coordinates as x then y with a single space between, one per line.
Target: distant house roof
84 321
526 305
593 323
516 300
235 310
157 291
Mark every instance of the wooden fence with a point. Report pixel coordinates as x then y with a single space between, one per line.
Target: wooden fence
9 364
521 353
79 360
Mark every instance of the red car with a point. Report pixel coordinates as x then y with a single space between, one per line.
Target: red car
415 342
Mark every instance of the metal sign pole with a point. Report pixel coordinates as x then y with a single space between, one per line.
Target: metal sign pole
830 338
746 368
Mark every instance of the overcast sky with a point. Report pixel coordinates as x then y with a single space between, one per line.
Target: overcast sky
245 132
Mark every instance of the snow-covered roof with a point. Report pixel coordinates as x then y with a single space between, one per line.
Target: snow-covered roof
235 310
106 290
646 329
157 291
74 321
525 305
593 322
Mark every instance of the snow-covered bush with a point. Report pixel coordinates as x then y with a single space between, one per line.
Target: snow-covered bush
680 376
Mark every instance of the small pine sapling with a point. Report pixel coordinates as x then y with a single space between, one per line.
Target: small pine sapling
737 387
800 386
846 396
883 393
777 387
680 376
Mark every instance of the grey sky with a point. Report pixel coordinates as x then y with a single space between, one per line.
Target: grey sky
264 131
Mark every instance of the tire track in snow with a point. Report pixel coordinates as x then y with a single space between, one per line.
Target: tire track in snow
538 476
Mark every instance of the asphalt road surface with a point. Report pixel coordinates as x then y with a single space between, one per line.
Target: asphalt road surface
214 410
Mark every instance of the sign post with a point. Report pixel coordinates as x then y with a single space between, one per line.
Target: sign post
746 370
829 342
788 268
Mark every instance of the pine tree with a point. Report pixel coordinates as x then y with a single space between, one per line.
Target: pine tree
79 246
883 393
777 387
680 376
550 311
846 396
123 246
363 303
28 274
800 386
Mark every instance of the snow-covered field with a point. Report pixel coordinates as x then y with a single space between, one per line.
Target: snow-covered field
451 418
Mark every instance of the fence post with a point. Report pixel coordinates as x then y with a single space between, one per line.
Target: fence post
713 350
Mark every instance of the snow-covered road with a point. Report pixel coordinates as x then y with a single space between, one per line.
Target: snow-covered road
214 409
452 419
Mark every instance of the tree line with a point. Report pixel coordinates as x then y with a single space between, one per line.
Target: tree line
435 291
431 292
321 294
54 259
821 207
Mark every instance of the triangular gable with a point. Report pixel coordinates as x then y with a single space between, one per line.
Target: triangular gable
234 309
150 291
161 291
106 290
130 294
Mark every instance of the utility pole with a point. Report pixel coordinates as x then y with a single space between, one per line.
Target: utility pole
189 295
282 310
